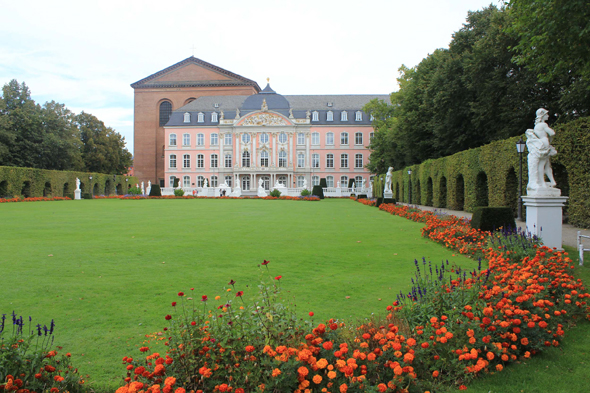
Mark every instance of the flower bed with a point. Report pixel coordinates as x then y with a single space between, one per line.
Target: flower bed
35 199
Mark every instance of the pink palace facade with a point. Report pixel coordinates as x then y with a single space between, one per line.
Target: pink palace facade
293 140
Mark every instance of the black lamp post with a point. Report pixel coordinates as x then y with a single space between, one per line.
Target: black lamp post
409 186
520 150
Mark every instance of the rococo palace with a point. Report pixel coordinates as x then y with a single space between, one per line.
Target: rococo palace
209 127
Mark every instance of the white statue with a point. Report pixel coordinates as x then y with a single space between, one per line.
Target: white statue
364 184
540 150
305 184
388 180
149 187
206 183
77 184
142 189
261 191
237 113
338 184
260 183
223 185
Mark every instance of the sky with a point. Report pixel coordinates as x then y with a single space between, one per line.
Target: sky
85 54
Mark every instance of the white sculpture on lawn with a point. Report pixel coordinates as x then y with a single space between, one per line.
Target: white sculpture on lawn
540 150
206 183
261 192
142 189
77 184
149 187
364 184
305 184
77 191
388 180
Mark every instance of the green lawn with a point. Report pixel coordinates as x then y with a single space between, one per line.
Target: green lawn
107 270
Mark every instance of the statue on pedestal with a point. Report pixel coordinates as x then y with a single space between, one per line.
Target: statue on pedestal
77 184
540 150
305 184
388 180
149 187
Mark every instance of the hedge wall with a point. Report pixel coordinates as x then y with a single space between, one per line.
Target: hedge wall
488 175
30 182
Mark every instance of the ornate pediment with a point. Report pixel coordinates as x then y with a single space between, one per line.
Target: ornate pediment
265 119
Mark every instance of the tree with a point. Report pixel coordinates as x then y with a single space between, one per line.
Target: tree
103 149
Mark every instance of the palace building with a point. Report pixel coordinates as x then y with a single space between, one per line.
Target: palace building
200 123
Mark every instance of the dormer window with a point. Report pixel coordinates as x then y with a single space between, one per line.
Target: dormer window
330 116
315 116
187 117
358 116
216 105
372 117
214 117
330 104
201 117
343 116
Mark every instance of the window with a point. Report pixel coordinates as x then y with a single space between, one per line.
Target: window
330 138
172 140
371 136
343 181
214 139
344 138
213 181
358 161
372 117
214 160
200 140
200 161
358 181
315 180
265 182
315 138
330 181
330 116
171 181
358 138
264 158
200 181
301 138
300 180
282 137
264 138
228 179
358 116
186 161
245 138
300 160
200 117
282 180
343 160
282 159
165 112
330 160
187 117
227 139
315 160
315 116
186 181
343 116
246 159
186 139
214 119
246 183
228 161
172 161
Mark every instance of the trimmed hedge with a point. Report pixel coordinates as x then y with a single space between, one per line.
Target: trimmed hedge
488 175
492 218
155 190
31 182
318 191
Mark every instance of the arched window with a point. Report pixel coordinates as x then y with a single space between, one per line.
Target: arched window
330 181
330 138
186 161
329 160
300 160
187 117
214 120
330 116
214 139
358 181
358 161
282 137
213 181
282 180
172 140
264 138
343 116
213 160
228 161
300 138
246 159
170 181
186 139
315 138
200 117
200 181
200 161
315 116
228 179
186 181
172 161
282 159
358 116
300 180
200 140
264 158
165 112
344 138
227 139
358 138
343 181
315 180
315 160
343 160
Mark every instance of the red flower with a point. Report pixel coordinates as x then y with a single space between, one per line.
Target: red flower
239 293
144 349
265 262
173 304
193 323
168 317
204 298
231 282
180 293
278 277
311 313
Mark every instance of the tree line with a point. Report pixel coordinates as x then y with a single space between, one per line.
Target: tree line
50 136
500 67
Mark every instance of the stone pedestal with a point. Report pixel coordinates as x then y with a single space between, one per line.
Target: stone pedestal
387 194
261 193
544 218
77 194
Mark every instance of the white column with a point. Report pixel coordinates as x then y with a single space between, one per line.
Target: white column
291 150
221 160
253 159
238 158
274 153
307 150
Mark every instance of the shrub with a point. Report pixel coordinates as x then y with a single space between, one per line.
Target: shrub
389 200
86 195
134 191
305 192
275 193
323 183
155 190
492 218
178 192
318 191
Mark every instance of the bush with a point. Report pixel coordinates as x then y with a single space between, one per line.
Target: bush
134 191
389 200
318 191
86 195
155 190
323 183
305 192
492 218
275 193
178 192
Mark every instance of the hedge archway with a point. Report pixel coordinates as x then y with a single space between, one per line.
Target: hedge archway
442 192
26 190
481 189
3 189
429 192
511 196
460 192
47 190
418 197
66 190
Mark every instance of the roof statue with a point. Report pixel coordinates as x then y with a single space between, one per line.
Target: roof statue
264 106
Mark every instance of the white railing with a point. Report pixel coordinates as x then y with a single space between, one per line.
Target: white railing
581 248
334 192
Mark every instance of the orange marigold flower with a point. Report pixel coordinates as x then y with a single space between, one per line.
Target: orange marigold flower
524 341
317 379
382 387
249 348
170 381
527 354
332 374
328 345
411 342
303 371
425 345
499 367
276 372
398 370
435 374
505 357
49 368
490 355
180 390
322 363
343 388
58 378
462 387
